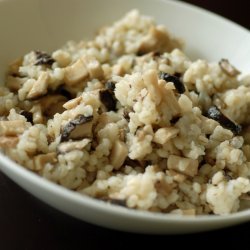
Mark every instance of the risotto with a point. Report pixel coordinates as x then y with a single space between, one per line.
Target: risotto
129 119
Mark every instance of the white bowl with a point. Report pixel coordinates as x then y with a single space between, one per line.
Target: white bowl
48 24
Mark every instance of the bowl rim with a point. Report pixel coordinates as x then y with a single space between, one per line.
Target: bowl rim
83 199
10 168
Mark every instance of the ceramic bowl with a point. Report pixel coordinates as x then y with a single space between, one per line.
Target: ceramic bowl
47 24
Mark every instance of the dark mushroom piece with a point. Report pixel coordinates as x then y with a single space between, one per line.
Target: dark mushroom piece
78 128
175 80
216 114
108 99
42 58
228 68
28 115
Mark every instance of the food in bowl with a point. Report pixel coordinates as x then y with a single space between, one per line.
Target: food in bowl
129 119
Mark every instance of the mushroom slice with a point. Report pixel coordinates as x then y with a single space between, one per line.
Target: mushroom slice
163 135
216 114
151 81
169 98
75 73
183 165
12 128
179 86
172 102
39 88
108 99
119 154
42 58
8 141
228 68
42 159
72 103
78 128
28 115
66 147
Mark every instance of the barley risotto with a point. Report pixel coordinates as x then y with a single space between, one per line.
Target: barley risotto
129 119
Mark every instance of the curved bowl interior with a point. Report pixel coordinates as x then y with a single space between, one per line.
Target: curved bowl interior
43 24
